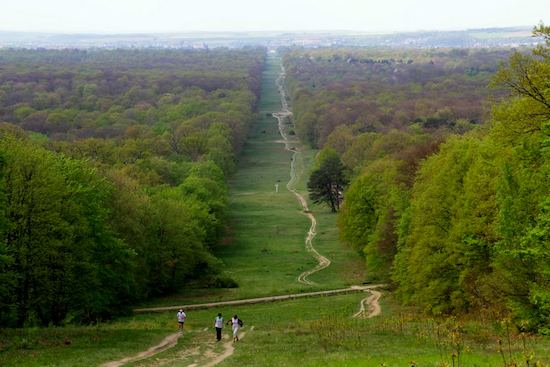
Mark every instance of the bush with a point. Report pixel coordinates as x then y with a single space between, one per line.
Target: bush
222 282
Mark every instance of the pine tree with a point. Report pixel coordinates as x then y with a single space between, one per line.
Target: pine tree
327 183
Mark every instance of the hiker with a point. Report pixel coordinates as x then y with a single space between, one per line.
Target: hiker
181 318
218 324
236 323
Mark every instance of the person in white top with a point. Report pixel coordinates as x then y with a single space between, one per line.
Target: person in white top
181 318
236 324
218 324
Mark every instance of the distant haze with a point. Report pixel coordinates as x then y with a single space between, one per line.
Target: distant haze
125 16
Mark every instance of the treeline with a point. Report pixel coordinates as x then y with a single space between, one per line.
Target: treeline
113 175
457 216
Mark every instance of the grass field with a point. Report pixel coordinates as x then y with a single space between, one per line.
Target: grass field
265 252
308 332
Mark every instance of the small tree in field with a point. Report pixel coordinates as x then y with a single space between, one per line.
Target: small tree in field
326 184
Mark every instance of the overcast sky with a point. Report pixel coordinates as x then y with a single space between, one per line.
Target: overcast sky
114 16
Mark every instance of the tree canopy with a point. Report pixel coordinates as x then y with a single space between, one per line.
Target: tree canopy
113 171
455 213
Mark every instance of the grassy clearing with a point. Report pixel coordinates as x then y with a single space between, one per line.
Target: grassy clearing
322 333
267 252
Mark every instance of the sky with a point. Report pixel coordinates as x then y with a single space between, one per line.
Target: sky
158 16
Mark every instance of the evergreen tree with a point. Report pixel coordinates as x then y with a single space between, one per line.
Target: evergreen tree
326 184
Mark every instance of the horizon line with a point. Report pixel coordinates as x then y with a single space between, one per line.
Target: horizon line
175 32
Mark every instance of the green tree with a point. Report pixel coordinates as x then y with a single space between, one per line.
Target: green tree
66 258
476 232
7 276
326 184
428 264
373 205
521 125
176 241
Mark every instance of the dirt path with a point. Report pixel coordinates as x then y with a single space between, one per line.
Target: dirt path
251 301
369 306
281 116
229 349
166 343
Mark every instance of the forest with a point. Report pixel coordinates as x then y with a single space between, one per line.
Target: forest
369 90
447 153
113 175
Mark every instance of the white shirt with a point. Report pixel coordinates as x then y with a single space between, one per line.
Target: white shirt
181 316
218 322
235 322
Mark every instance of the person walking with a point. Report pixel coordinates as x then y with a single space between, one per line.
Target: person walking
181 316
218 324
236 324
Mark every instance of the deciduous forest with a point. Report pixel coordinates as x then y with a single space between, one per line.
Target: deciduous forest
448 156
113 172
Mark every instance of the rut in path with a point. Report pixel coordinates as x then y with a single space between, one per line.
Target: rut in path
285 113
229 349
202 352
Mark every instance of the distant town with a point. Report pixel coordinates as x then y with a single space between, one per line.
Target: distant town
472 38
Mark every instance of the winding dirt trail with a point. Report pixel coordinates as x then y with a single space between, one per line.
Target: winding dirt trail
252 301
281 116
370 306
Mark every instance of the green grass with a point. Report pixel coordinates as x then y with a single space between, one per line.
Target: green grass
75 345
320 332
265 252
305 332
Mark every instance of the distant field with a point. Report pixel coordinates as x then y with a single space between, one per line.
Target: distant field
501 34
